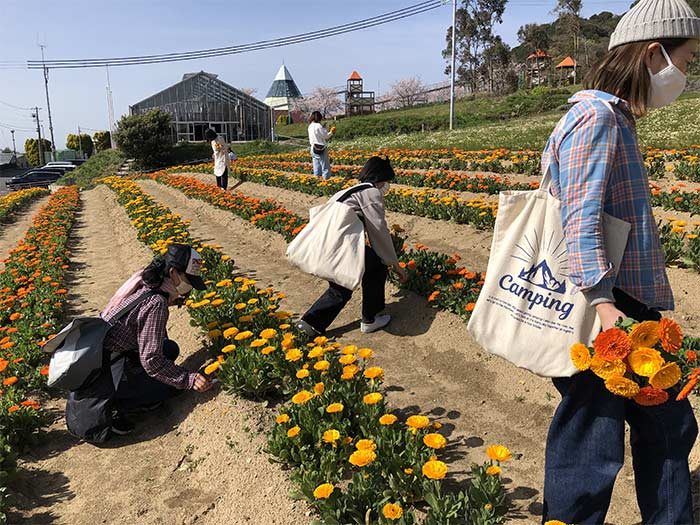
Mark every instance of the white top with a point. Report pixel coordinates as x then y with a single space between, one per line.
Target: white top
221 161
318 134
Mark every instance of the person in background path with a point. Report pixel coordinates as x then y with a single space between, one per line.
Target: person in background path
318 139
150 373
220 156
596 167
369 205
232 157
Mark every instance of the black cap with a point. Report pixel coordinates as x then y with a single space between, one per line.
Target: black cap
185 259
377 169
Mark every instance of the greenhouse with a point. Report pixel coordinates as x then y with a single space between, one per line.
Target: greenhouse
200 101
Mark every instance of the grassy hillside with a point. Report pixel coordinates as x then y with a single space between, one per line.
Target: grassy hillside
674 127
102 164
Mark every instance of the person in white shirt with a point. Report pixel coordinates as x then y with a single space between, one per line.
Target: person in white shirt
220 156
368 202
318 139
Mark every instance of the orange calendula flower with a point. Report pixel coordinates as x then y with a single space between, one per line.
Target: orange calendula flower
293 432
671 335
621 386
10 380
666 377
607 369
434 440
366 444
302 397
417 422
372 398
650 396
334 408
282 418
645 334
387 419
210 369
374 372
319 388
493 470
612 345
331 436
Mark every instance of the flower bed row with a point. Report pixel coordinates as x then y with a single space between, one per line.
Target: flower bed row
354 461
31 311
18 200
436 276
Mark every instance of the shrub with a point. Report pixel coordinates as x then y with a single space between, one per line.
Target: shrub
102 140
146 138
31 148
84 143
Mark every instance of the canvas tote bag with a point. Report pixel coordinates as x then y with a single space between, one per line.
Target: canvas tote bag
527 311
332 245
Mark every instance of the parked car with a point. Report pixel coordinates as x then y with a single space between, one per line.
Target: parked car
41 178
67 166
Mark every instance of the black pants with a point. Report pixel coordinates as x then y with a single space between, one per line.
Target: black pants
222 182
324 311
137 388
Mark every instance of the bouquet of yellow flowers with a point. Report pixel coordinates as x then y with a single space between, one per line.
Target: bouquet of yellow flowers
640 361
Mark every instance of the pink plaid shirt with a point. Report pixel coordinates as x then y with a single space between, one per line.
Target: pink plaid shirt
144 330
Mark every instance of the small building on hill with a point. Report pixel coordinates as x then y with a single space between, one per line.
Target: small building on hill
201 101
282 92
357 100
537 69
566 71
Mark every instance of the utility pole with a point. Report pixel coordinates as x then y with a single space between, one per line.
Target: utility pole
38 132
110 113
14 148
452 67
48 104
80 143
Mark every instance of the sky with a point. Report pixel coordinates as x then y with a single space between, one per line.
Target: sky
74 29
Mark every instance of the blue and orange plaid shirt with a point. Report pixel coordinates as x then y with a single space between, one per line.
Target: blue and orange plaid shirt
597 167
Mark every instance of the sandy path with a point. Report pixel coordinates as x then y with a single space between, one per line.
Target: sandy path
13 232
197 459
433 365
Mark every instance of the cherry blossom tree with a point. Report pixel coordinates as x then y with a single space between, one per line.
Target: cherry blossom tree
323 99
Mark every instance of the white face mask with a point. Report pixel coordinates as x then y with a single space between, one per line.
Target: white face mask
383 188
666 85
183 287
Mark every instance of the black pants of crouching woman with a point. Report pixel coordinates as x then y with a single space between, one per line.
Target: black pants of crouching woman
324 311
222 181
137 389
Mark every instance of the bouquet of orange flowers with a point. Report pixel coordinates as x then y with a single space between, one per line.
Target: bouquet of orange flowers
640 361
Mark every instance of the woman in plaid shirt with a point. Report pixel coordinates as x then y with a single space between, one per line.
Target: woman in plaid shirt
597 167
150 373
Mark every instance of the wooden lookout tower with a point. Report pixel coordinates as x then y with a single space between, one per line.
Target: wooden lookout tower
357 100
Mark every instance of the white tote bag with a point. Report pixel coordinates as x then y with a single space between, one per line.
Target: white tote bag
332 245
527 311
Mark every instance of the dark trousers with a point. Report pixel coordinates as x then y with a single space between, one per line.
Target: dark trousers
222 182
586 447
137 388
324 311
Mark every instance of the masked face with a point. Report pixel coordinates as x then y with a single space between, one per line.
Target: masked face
383 187
183 287
666 85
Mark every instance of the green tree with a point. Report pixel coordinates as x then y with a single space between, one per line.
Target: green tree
102 140
31 150
146 138
85 143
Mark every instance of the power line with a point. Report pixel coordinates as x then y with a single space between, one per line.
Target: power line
15 107
16 128
385 18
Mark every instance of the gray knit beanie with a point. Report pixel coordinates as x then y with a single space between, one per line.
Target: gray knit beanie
656 20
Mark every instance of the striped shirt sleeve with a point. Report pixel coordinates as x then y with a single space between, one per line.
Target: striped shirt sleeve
586 156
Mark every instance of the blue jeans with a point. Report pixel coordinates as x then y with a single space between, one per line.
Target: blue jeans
322 164
586 448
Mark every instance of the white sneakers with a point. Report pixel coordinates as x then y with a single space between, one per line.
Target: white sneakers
379 322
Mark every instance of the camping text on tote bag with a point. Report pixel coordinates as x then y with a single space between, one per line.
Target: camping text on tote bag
528 311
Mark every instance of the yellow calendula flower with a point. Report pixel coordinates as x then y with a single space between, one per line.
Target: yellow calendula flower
214 334
374 372
346 359
316 351
621 386
408 471
607 369
366 444
372 398
350 349
228 348
323 491
319 388
268 350
645 361
434 469
302 374
293 432
334 408
240 306
365 353
645 334
210 369
434 440
283 418
322 365
498 453
554 522
302 397
268 333
258 343
392 511
321 340
580 356
209 295
666 377
493 470
230 332
293 355
361 458
212 325
243 335
387 419
417 422
217 302
285 326
331 436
